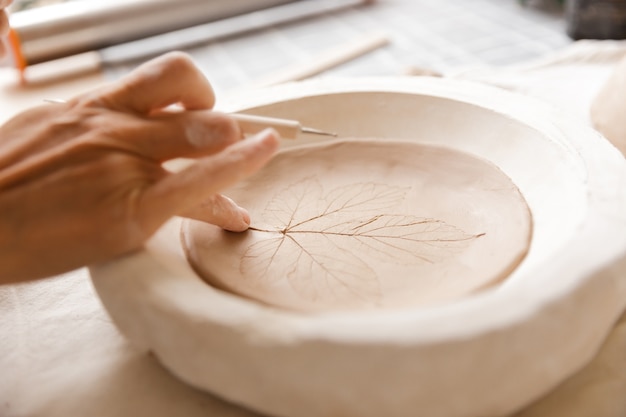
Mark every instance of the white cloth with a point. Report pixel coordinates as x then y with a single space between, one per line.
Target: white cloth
60 355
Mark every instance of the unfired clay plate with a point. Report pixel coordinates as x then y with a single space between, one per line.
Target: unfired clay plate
366 224
487 353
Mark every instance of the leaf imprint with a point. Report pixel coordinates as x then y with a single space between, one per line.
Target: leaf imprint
323 241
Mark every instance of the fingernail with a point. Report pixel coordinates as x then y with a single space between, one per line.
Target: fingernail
212 129
198 134
245 216
264 143
267 136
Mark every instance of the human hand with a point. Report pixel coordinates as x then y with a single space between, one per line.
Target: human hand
4 23
82 182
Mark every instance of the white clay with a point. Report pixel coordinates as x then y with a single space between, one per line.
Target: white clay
485 354
609 108
367 225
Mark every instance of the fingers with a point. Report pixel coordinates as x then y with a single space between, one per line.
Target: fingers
221 211
169 79
4 25
184 134
159 135
178 193
4 31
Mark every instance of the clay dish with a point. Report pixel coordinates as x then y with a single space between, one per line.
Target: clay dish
366 225
487 353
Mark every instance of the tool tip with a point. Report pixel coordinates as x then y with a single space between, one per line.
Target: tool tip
318 132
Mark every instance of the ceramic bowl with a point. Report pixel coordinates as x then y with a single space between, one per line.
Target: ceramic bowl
486 354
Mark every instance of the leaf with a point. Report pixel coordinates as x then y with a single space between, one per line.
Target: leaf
313 265
403 239
322 242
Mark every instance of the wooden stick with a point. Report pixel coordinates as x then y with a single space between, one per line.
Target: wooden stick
324 61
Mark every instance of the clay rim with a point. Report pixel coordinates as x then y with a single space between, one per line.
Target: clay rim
515 303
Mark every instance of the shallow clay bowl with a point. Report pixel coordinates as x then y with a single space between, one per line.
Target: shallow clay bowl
366 225
480 353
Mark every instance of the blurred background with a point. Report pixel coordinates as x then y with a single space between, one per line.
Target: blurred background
431 36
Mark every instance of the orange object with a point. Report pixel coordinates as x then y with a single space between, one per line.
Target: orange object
16 50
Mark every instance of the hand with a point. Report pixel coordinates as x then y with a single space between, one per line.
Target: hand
4 23
82 182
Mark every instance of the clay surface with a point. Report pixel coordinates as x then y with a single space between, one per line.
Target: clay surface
367 224
609 108
485 354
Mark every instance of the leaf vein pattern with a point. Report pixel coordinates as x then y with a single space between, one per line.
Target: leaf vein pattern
332 255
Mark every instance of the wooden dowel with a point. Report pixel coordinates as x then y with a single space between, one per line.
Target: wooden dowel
326 60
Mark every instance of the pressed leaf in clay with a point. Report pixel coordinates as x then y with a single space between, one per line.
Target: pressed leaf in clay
330 237
366 225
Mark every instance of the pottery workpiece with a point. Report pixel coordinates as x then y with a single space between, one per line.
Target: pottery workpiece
485 354
609 107
366 224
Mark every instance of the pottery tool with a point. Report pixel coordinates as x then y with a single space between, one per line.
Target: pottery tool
150 27
252 124
288 129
